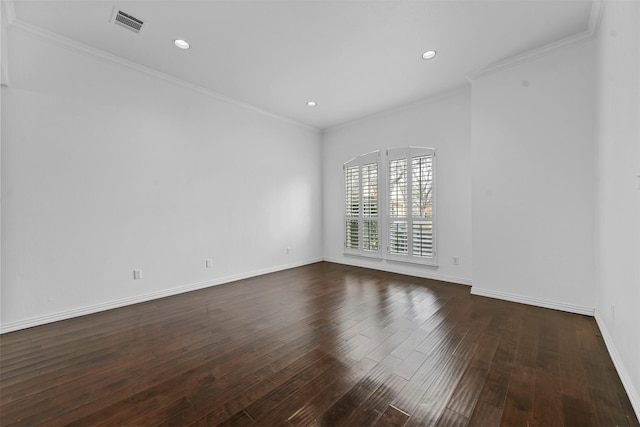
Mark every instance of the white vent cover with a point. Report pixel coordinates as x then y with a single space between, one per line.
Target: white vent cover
127 20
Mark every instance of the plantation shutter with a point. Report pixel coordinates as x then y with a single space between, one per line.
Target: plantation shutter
352 201
411 205
362 223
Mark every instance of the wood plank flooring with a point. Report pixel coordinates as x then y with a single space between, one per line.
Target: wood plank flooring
321 345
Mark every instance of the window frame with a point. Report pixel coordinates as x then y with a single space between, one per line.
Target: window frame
360 163
409 154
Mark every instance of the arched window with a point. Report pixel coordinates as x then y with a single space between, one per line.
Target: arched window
362 205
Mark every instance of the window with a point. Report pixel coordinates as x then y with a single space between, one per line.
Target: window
411 205
361 202
408 195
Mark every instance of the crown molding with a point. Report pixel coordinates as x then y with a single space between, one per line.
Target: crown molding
595 16
529 56
430 99
105 56
597 10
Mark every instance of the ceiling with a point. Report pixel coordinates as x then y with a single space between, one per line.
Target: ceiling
354 58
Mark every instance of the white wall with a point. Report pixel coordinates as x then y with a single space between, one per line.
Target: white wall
106 169
618 189
3 82
532 149
441 123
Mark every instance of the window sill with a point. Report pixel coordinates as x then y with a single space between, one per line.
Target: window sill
428 263
371 255
378 257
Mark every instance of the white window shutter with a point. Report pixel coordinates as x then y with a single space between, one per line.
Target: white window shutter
362 205
411 205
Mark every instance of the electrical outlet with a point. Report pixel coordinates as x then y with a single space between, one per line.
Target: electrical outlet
137 274
288 251
208 262
456 260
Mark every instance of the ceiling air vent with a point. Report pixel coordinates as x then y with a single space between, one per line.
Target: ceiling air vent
127 20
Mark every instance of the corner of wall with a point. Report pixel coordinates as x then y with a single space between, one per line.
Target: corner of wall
7 16
627 382
537 302
593 27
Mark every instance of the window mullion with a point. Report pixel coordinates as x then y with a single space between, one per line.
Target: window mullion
409 206
361 212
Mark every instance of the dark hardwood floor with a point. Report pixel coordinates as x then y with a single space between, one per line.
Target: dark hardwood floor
325 345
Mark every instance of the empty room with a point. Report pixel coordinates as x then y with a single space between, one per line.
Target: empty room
320 213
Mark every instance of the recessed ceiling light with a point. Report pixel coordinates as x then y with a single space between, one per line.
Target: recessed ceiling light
311 103
181 44
430 54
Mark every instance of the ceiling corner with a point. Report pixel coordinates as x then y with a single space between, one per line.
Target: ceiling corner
595 17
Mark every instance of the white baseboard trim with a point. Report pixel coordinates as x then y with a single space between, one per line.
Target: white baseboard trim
632 392
82 311
571 308
424 272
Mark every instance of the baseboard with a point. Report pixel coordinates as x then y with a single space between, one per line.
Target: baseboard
82 311
632 392
398 268
538 302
